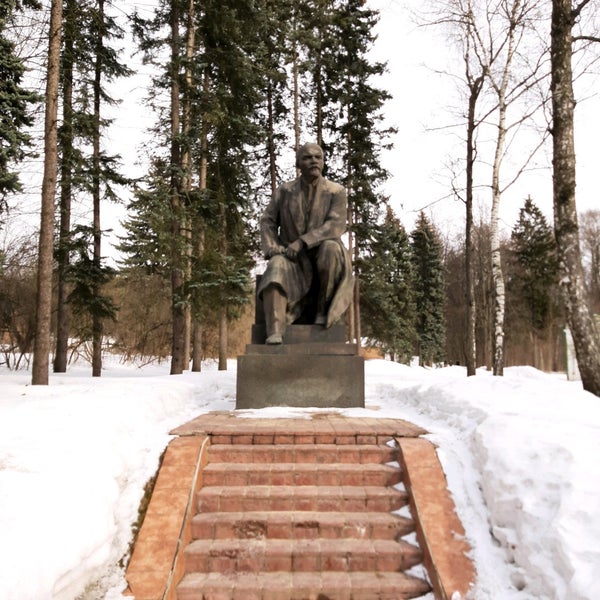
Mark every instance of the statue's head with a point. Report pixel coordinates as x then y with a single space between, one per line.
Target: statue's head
310 160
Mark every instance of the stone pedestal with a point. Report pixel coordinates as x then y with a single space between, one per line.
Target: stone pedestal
314 367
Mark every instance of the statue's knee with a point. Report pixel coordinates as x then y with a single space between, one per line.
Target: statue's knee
330 253
277 261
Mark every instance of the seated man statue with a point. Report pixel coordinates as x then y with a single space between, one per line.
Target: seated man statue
301 233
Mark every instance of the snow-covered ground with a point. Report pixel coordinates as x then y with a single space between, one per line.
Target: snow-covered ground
520 453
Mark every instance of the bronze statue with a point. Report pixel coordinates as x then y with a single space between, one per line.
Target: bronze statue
309 274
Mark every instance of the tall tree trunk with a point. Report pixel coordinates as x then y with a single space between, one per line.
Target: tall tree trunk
319 105
471 345
223 325
97 325
66 143
198 230
271 140
177 273
295 76
197 347
354 317
46 241
187 173
223 338
583 330
497 276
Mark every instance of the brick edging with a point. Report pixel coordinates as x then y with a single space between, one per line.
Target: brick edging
439 530
156 563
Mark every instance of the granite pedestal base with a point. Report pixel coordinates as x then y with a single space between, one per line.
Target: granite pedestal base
313 367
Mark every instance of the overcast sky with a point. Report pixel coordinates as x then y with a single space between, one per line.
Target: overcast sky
424 104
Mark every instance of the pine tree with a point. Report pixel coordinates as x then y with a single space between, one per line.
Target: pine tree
88 63
429 291
215 86
86 276
146 243
387 300
349 116
16 103
536 274
533 306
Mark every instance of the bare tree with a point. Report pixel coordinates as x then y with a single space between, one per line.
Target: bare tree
474 83
499 74
497 44
46 239
583 330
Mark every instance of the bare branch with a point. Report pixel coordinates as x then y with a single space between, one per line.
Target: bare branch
525 164
587 38
578 8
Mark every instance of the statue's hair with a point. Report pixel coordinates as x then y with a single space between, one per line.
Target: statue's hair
302 148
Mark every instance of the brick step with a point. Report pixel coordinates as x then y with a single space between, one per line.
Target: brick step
265 555
300 525
300 498
301 453
244 474
334 585
336 436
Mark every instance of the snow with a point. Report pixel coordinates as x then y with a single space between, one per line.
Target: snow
520 454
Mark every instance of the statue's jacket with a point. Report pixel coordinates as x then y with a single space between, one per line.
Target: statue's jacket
284 221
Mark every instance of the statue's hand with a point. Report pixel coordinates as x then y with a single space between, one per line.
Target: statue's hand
294 248
274 250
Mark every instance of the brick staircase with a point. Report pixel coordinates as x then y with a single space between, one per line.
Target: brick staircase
300 520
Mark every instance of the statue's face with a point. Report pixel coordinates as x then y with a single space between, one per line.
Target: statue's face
310 161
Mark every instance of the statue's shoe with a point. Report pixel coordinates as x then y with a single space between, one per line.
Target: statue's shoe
321 319
276 338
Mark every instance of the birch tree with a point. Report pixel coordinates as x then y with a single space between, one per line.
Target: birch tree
503 63
499 38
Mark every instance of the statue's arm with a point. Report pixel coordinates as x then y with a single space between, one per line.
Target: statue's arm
269 228
334 225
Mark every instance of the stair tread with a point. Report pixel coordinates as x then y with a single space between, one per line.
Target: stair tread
293 466
314 554
344 545
244 474
300 524
301 515
298 586
302 453
303 490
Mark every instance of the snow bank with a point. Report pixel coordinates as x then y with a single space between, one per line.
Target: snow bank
519 454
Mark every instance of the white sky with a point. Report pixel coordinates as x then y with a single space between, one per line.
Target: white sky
425 100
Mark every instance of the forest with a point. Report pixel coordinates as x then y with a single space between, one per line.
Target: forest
237 86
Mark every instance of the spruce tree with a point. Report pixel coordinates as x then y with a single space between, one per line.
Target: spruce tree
535 265
351 117
16 103
215 86
387 299
88 63
429 290
146 244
